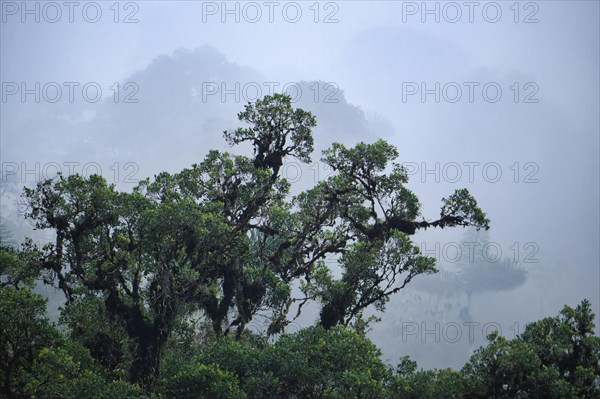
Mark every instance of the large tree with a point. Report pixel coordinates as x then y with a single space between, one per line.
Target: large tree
224 238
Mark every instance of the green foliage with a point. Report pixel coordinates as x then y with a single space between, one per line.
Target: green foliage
19 267
332 363
87 322
567 345
24 332
202 381
430 384
36 361
460 209
371 271
554 358
509 369
162 282
68 372
269 118
223 239
313 363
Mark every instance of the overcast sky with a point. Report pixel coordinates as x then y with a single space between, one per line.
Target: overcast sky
499 97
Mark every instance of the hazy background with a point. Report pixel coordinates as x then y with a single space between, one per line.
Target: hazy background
185 68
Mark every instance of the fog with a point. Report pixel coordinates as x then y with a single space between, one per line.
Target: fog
500 99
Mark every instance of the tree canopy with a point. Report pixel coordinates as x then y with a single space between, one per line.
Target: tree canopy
223 237
219 244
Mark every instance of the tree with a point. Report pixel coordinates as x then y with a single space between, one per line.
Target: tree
25 332
428 384
556 357
36 360
19 267
378 213
204 381
510 369
224 239
25 329
567 344
312 363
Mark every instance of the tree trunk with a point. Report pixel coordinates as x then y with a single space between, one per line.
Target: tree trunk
146 362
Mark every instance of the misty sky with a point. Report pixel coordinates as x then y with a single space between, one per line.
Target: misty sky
499 97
